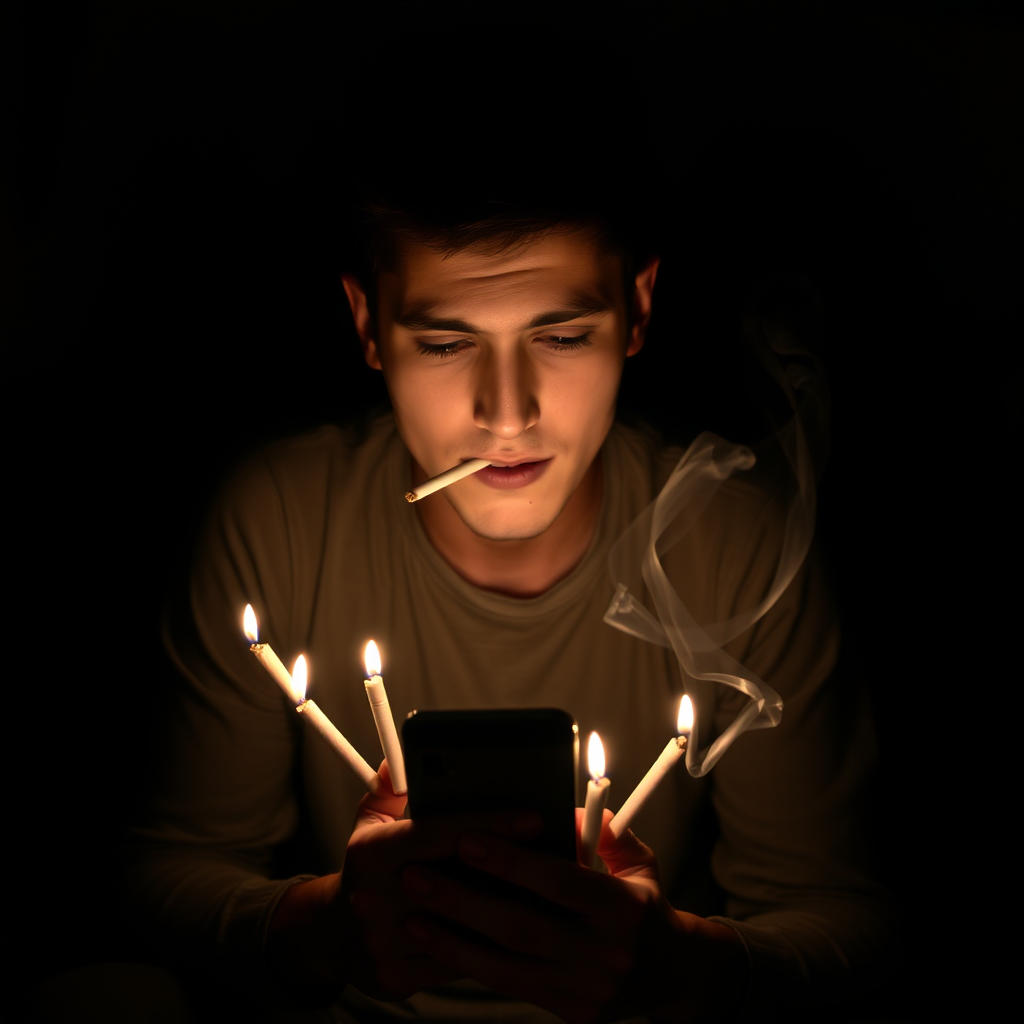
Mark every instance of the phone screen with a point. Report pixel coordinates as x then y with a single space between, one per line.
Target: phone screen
504 759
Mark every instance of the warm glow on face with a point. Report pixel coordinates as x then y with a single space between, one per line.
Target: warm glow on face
684 723
501 389
249 624
595 756
299 676
372 659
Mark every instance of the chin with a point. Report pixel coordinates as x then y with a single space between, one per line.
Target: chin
507 524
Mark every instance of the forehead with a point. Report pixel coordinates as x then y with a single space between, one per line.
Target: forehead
564 268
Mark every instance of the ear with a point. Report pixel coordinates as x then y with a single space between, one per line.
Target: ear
363 320
643 294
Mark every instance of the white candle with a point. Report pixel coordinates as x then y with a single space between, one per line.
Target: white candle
674 749
294 685
597 797
378 698
449 476
323 725
267 658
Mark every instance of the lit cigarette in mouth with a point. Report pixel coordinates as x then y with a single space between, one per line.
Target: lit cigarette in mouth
449 476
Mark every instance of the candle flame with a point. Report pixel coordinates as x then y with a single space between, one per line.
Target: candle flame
299 677
684 723
371 659
595 756
249 625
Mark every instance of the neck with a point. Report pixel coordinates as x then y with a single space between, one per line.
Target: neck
517 568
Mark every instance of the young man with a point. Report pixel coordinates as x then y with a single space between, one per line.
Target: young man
505 344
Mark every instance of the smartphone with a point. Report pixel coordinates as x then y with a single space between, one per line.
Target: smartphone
502 759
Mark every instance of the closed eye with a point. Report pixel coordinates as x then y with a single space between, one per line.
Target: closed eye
554 342
442 350
565 343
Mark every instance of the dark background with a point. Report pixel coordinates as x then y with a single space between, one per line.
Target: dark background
170 300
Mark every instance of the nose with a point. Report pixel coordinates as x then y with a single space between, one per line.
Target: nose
505 402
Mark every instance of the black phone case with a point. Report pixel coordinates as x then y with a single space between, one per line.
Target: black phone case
496 759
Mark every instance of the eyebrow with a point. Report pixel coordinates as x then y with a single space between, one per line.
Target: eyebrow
423 320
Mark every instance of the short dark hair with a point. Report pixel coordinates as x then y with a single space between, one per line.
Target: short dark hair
493 225
498 158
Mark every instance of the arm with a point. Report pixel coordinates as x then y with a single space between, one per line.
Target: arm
204 876
363 925
347 927
803 913
595 946
794 853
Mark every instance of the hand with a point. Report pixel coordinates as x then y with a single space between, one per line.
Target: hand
350 927
381 958
602 948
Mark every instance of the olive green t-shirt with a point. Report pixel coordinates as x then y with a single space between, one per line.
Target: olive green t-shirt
315 533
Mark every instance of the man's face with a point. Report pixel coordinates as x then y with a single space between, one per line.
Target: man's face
513 358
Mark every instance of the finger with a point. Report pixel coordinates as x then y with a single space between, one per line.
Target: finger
384 771
512 974
532 944
441 833
626 856
436 836
380 808
519 826
398 977
512 923
559 881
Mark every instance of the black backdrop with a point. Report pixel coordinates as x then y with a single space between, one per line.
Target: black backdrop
172 298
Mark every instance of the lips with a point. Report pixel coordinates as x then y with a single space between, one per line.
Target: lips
509 476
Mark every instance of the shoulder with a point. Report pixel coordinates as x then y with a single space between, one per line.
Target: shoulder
637 463
286 502
312 468
734 511
730 527
314 459
288 511
641 457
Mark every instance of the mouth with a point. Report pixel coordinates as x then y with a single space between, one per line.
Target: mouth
511 474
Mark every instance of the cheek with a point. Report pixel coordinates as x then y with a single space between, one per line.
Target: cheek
428 410
590 391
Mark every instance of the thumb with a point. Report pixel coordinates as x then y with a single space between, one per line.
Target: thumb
380 808
627 856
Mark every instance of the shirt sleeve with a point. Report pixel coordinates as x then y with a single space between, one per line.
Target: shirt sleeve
794 853
200 876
